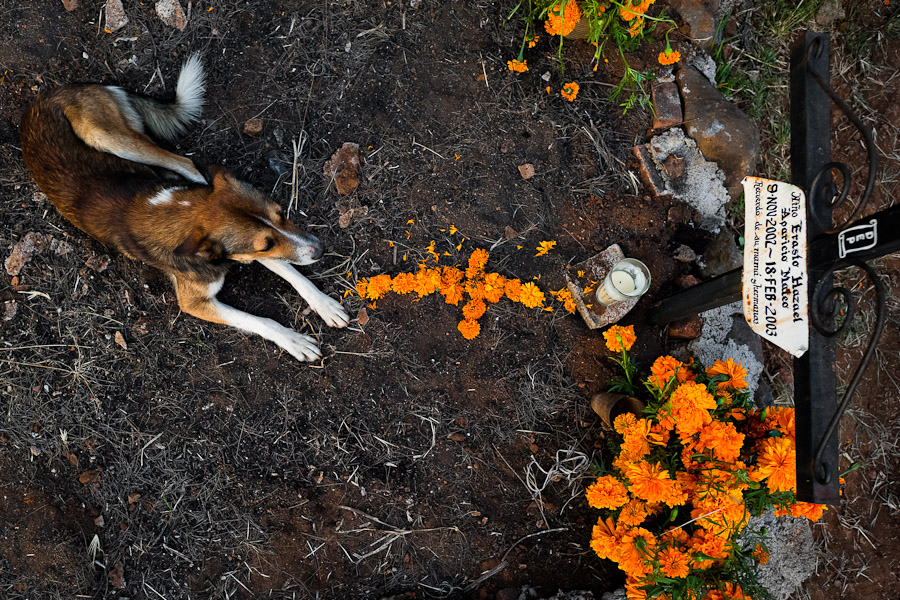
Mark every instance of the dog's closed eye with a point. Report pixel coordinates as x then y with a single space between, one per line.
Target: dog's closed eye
270 243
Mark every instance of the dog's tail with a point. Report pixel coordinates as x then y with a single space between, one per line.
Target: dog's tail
168 120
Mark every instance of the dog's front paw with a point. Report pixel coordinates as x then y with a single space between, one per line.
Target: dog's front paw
302 347
331 311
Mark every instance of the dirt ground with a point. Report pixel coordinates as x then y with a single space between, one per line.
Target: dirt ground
146 454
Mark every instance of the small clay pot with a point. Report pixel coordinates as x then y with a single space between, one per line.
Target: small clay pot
609 406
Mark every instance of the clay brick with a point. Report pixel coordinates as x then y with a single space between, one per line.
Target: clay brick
666 105
649 174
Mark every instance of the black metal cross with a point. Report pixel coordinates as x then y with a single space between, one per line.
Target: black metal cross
829 249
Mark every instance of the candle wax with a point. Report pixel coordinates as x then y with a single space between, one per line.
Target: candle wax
623 282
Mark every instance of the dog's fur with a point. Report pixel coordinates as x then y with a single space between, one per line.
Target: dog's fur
86 148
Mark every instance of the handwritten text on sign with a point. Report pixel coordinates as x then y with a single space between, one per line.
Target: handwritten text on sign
775 278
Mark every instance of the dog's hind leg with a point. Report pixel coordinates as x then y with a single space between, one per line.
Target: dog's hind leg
199 300
327 307
114 133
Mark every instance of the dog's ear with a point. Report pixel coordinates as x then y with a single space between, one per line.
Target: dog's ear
198 243
220 175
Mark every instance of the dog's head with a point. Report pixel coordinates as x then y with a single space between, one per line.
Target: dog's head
241 224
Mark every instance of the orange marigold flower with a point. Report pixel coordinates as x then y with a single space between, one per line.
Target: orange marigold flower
691 403
532 41
723 439
615 332
761 554
637 26
513 289
544 248
735 373
605 539
663 369
782 419
653 484
517 66
708 543
624 422
633 513
606 492
378 286
669 57
403 283
361 287
636 544
777 464
452 294
811 511
673 562
635 444
473 309
494 284
634 589
531 295
631 9
469 329
570 91
477 261
562 18
427 281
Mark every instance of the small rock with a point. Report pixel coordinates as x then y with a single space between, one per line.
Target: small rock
60 247
23 250
116 576
666 105
70 5
457 437
89 477
170 13
700 18
9 310
829 12
674 166
347 216
343 167
509 233
722 131
362 316
722 255
115 15
526 171
100 521
507 594
98 262
688 328
684 254
686 281
120 340
253 127
648 171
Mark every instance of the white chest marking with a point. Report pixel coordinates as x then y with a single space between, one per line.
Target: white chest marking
163 196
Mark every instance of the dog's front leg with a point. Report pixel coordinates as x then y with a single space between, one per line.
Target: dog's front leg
199 300
328 308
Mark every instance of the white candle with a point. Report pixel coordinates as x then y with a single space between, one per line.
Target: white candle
623 281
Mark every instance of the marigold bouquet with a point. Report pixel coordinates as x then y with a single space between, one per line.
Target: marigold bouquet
687 475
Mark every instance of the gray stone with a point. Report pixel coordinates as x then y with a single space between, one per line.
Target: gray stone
829 12
792 558
700 183
722 255
115 15
722 131
617 594
725 335
171 13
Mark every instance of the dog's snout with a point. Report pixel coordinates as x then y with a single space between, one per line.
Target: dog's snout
318 250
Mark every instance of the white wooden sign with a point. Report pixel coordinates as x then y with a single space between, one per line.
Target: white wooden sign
776 298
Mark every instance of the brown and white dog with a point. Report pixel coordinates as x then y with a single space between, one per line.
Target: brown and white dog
87 149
